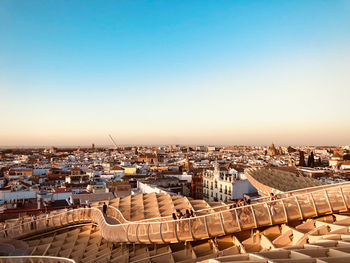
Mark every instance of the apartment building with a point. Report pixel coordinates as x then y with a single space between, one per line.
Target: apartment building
225 184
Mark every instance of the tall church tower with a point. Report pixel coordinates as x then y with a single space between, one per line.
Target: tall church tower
188 164
216 169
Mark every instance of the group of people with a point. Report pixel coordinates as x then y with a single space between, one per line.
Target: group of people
245 201
179 215
182 225
33 225
245 213
240 202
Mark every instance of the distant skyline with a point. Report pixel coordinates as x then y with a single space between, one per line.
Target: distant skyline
165 72
162 145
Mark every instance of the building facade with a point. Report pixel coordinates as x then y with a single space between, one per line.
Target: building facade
225 185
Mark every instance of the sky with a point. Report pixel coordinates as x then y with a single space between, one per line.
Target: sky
174 72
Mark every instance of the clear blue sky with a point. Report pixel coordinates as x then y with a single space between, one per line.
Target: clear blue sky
198 72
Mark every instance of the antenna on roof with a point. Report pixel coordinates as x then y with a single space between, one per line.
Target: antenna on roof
110 136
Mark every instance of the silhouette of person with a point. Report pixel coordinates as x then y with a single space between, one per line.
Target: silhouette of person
104 208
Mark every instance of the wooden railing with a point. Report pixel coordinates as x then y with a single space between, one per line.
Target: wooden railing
332 199
35 259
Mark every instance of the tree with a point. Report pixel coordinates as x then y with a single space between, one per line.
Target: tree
301 158
291 149
311 160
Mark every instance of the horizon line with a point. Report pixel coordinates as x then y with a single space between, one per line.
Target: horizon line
158 145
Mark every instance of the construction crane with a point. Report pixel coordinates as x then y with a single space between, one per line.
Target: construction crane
110 136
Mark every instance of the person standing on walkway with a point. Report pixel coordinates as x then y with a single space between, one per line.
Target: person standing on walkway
4 226
35 223
272 197
32 223
174 216
22 224
47 219
272 204
104 208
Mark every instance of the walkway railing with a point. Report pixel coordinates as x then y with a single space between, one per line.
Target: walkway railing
335 198
299 191
120 217
35 259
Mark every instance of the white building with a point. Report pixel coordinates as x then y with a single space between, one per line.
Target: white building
9 196
97 188
77 179
184 176
117 171
147 189
345 165
335 160
225 185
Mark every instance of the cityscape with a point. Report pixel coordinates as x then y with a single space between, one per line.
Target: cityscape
49 197
182 132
